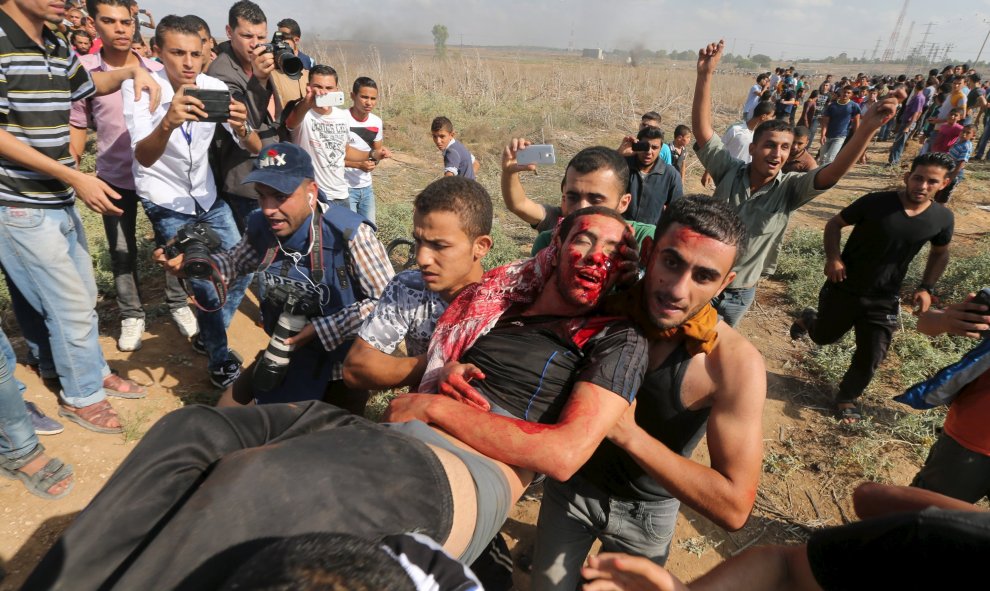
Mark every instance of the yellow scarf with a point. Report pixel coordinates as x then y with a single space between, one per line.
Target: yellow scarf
698 331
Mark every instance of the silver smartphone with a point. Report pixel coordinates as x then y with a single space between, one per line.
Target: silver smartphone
537 154
330 99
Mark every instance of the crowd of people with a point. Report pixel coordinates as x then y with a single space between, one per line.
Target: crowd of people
596 366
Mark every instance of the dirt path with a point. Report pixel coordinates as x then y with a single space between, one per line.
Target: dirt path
800 488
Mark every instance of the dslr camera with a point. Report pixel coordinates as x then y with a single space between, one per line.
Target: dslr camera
195 242
298 306
285 59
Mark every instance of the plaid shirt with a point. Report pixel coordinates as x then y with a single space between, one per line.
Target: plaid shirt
373 271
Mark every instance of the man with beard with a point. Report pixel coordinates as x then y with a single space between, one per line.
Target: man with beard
704 378
216 484
762 195
653 184
864 282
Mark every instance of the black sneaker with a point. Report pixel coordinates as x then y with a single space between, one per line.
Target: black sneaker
225 376
198 345
800 326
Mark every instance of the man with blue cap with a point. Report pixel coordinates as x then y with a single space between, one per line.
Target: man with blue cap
323 270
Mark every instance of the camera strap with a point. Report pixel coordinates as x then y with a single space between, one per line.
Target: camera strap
316 268
216 279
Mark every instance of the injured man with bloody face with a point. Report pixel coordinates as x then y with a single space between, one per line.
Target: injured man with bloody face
206 487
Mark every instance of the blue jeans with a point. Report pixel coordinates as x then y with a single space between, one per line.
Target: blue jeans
241 208
17 436
44 254
573 514
981 146
734 304
7 351
212 325
884 134
900 141
34 333
362 201
830 149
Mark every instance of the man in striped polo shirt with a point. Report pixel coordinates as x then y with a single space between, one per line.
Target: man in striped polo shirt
42 245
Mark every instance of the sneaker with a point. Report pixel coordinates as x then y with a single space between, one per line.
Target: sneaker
185 321
228 372
200 347
42 423
800 326
131 331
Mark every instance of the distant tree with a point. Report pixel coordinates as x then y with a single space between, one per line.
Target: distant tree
440 40
661 53
762 59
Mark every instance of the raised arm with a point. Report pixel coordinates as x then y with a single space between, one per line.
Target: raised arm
701 107
513 193
556 450
872 121
149 145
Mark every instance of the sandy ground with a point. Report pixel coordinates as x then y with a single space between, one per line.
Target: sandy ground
795 412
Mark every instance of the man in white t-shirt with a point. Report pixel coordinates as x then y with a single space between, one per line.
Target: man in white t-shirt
366 139
755 93
323 132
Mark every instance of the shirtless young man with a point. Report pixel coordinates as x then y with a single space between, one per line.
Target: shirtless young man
215 483
704 378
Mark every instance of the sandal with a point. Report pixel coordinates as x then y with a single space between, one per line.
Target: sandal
119 387
850 415
39 483
95 417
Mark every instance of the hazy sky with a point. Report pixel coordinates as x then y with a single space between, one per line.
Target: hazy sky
788 28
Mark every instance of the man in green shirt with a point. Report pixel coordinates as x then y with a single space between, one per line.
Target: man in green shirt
594 176
764 196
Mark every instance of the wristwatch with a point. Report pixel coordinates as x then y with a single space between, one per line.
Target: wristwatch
247 129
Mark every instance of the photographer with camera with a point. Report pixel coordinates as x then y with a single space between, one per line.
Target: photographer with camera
323 270
174 180
245 64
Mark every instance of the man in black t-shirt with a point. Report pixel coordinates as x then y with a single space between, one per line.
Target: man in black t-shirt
864 282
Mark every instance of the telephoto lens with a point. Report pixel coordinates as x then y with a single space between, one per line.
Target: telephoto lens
270 371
